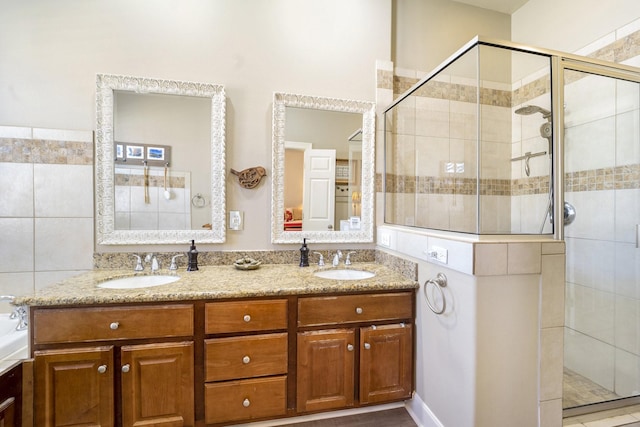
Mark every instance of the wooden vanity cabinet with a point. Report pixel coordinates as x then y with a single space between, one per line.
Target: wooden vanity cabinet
11 397
219 363
120 366
246 360
377 356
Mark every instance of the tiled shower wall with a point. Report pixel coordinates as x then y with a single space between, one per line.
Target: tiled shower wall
46 207
432 180
602 330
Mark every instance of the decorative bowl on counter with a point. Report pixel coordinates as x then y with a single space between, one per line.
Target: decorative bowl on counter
247 263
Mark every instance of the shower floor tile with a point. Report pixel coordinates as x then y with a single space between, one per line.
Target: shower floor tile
578 390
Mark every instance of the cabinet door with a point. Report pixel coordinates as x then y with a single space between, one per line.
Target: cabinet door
7 411
157 384
386 363
74 387
325 369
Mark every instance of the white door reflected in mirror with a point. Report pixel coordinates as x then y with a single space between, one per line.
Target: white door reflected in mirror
336 206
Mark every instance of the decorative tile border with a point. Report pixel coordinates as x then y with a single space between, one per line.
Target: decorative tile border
16 150
154 181
625 177
613 178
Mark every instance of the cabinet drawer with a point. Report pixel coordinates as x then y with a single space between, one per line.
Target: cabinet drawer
245 400
354 308
245 316
245 357
112 323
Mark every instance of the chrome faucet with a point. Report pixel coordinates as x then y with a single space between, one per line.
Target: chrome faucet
154 262
139 266
19 313
174 265
337 257
320 260
348 260
22 315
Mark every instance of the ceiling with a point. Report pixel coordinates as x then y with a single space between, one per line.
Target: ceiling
504 6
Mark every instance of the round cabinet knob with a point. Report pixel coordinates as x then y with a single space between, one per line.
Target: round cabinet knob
126 368
367 346
246 403
102 369
114 325
246 360
350 347
359 310
247 318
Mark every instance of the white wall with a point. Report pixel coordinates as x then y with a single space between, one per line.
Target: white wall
569 25
51 52
427 32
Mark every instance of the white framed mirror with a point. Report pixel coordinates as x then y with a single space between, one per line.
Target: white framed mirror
160 161
323 169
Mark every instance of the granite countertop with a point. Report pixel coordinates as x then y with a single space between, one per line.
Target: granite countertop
214 282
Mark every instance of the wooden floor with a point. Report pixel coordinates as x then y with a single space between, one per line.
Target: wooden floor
390 418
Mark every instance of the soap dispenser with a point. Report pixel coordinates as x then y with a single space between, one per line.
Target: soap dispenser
192 265
304 254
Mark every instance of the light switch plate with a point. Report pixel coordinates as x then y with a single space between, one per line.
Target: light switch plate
236 220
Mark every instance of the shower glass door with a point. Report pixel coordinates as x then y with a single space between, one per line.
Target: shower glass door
602 182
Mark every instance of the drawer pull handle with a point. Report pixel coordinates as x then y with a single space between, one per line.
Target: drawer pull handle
246 403
246 360
114 325
367 346
247 318
350 347
359 310
126 368
102 369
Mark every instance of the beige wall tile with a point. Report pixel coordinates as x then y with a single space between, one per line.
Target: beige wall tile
490 259
524 258
551 363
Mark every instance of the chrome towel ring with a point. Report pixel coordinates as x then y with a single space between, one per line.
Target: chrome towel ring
440 282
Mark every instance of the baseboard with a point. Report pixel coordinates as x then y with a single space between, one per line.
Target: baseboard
323 415
421 413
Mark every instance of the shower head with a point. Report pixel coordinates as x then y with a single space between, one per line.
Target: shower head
532 109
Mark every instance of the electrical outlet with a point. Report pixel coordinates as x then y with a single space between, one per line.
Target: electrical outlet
439 254
236 221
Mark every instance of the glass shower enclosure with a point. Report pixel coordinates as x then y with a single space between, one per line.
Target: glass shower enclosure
503 138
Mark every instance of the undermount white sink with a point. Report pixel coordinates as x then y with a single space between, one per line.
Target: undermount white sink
344 274
135 282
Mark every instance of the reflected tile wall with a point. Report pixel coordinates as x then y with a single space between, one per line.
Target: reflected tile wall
46 207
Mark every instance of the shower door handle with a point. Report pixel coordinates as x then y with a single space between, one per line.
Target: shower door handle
637 236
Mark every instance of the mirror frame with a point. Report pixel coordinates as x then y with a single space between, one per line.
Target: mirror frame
367 109
106 234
